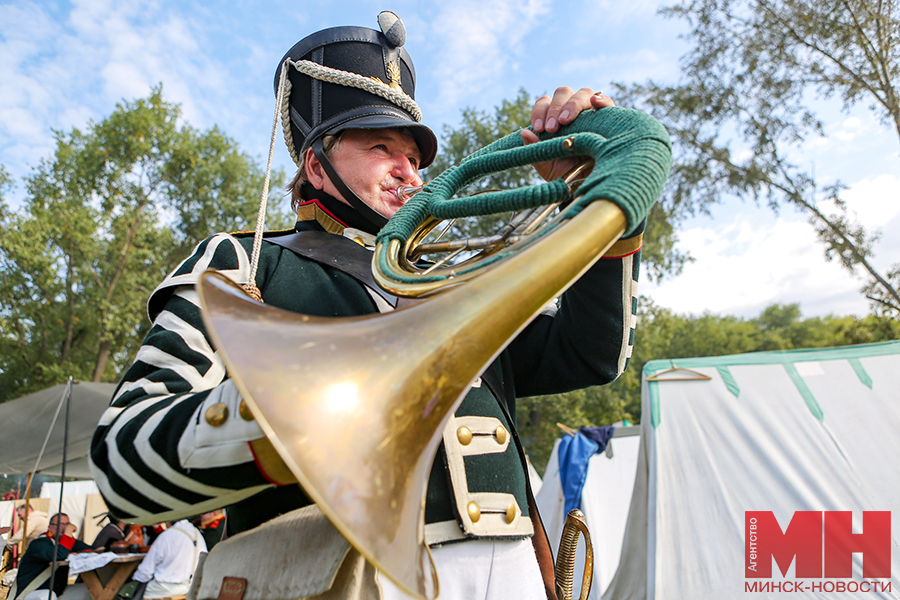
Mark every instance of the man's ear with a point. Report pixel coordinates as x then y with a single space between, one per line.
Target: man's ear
315 174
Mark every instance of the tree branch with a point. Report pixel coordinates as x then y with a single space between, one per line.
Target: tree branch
884 302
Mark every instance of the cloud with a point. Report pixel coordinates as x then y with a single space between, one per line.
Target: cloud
745 263
30 84
874 201
746 260
848 130
65 66
850 139
607 16
135 47
643 64
475 42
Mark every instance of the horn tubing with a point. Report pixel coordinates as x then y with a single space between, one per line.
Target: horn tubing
631 151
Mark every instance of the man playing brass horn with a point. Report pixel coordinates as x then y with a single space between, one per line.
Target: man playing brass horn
178 440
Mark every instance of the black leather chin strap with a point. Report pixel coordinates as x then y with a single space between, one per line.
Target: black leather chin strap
365 211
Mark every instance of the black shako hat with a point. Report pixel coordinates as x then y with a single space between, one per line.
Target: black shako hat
352 78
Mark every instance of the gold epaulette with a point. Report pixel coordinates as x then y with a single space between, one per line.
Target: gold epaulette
311 211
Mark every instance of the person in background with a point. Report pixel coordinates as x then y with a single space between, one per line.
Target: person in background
35 563
37 525
212 526
170 564
114 531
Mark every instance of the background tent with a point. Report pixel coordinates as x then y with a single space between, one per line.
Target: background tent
605 501
814 430
24 423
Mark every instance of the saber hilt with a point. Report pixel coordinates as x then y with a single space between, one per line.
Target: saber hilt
564 571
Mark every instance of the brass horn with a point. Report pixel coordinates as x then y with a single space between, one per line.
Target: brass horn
359 419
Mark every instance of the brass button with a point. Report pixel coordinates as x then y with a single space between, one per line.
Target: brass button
474 512
244 411
511 513
359 241
464 435
217 414
500 434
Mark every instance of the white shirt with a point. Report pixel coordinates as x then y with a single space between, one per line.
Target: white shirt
173 555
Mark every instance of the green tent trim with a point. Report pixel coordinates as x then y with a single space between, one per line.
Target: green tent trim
788 358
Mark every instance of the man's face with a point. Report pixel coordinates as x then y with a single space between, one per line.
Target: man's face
374 163
21 512
63 523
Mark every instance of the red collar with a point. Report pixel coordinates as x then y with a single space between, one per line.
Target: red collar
66 541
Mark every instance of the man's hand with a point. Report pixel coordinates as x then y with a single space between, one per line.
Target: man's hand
548 114
4 530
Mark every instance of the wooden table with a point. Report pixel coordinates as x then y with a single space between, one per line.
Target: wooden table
105 582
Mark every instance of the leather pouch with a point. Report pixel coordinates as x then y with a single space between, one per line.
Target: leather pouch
299 555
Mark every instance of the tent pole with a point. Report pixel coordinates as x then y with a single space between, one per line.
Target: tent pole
23 543
62 483
66 394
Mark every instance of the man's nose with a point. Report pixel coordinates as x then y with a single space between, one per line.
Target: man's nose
404 171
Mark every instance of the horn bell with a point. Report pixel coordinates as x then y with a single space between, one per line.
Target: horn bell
356 406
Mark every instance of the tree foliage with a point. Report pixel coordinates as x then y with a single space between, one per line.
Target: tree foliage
663 334
752 84
105 218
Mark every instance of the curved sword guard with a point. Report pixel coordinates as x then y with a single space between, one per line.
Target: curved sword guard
565 562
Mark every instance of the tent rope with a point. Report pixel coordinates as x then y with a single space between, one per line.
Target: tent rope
67 393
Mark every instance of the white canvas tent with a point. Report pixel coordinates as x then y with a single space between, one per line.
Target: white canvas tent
814 430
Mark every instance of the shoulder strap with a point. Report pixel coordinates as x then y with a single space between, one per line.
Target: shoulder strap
35 584
539 541
494 384
337 252
193 537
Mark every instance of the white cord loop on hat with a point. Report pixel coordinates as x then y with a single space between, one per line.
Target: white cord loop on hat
250 286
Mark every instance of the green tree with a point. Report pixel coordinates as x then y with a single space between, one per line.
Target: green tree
754 79
105 218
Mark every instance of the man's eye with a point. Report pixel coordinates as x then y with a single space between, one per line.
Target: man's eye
381 147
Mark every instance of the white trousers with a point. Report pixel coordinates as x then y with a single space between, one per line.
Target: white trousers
165 589
39 595
481 569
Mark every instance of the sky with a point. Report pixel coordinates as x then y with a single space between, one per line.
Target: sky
63 64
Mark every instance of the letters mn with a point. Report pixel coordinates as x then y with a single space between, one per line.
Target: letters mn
822 543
